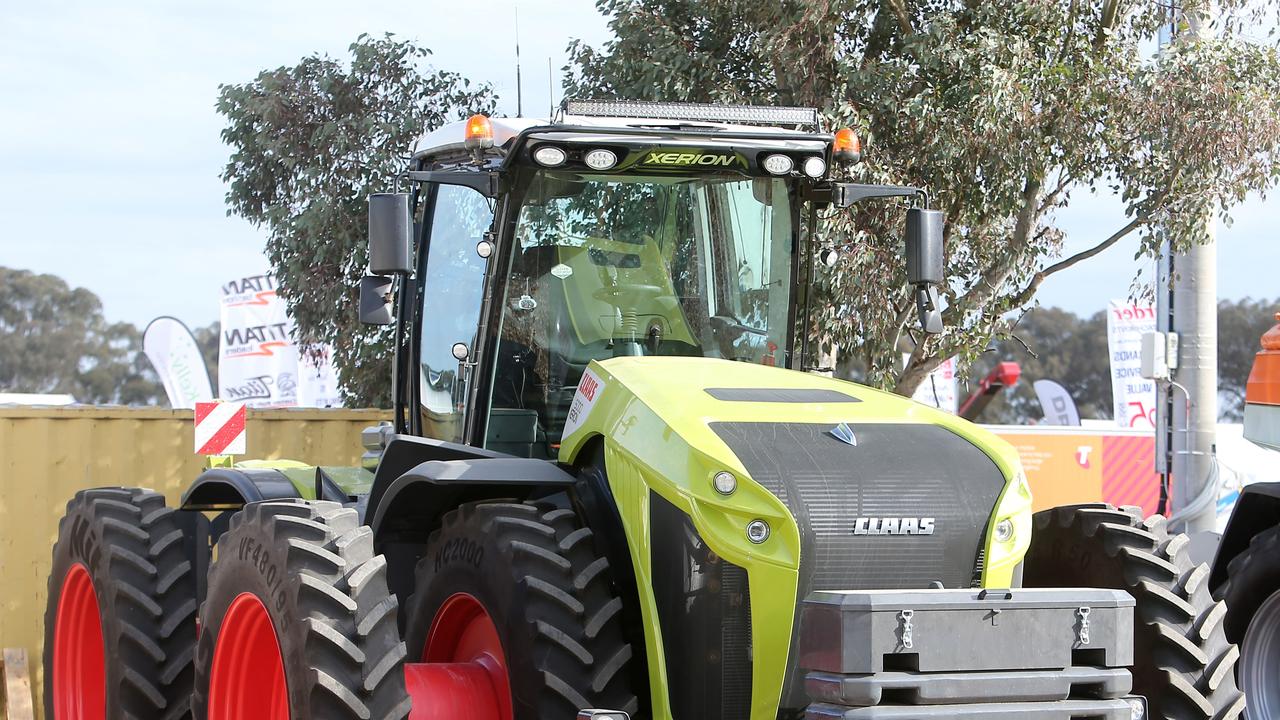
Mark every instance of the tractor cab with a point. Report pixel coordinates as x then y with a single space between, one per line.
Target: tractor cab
614 229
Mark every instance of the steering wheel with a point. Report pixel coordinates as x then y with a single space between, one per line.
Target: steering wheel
726 323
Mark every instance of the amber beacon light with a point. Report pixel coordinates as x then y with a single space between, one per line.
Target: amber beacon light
846 148
478 133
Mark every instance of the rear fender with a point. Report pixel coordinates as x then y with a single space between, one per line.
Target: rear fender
1258 509
231 488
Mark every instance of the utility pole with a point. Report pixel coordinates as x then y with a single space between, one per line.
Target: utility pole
1187 305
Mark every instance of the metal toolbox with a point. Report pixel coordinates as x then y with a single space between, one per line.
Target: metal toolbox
859 631
1051 654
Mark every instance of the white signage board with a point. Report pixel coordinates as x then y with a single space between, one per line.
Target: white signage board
317 378
1133 396
939 389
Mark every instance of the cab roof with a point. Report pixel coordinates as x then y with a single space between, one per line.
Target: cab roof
448 139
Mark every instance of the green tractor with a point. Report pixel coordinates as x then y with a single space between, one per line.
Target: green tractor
612 488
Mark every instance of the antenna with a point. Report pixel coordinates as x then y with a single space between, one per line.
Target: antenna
519 99
551 93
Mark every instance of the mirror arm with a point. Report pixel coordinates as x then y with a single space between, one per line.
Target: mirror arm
845 195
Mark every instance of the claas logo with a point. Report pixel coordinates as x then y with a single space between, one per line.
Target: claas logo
691 159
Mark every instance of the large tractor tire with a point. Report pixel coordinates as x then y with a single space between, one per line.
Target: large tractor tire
517 593
297 621
120 626
1183 663
1252 595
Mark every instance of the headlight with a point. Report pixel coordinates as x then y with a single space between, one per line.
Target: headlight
778 164
814 167
549 156
1009 535
600 159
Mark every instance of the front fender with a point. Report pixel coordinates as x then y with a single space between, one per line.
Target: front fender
431 488
409 507
1257 509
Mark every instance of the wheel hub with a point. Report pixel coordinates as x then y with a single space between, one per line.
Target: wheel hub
247 679
1260 661
463 671
79 654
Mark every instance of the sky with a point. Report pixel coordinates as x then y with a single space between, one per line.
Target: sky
110 152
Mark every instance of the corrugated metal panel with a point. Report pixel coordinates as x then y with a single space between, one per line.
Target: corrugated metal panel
47 454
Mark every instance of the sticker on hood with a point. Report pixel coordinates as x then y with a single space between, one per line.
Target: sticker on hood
589 389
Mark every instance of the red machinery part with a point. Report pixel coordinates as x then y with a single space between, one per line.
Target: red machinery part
1264 380
79 655
1004 375
247 679
463 672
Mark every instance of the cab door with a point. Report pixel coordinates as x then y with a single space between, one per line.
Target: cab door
449 307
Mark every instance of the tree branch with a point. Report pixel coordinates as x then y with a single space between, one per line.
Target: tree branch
995 276
1110 13
1036 280
900 14
1071 32
1052 198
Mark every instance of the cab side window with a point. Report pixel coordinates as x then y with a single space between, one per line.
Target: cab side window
452 291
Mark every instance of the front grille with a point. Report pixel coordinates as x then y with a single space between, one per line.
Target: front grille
704 613
893 471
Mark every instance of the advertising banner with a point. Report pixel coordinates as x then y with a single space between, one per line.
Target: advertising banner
1134 396
258 363
1056 402
1069 466
173 352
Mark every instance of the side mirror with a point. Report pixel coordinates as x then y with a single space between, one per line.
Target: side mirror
925 264
390 234
375 300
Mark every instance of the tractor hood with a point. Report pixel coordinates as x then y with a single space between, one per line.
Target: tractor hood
687 396
829 486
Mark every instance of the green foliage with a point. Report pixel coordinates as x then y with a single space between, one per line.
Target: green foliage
309 144
1001 108
1051 344
53 339
1240 328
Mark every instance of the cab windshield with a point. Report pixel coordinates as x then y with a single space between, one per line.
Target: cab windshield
609 265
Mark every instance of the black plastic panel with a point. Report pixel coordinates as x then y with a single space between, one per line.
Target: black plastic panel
704 614
894 471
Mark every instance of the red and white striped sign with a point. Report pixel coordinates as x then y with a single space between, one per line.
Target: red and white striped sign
220 428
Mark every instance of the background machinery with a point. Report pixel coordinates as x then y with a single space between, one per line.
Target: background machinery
609 489
1246 571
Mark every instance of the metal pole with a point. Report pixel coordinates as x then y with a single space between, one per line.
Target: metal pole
1193 300
1195 320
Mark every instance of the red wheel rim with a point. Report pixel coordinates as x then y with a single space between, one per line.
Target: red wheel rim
247 679
463 668
79 654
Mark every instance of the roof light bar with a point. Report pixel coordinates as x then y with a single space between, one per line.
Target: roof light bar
741 114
